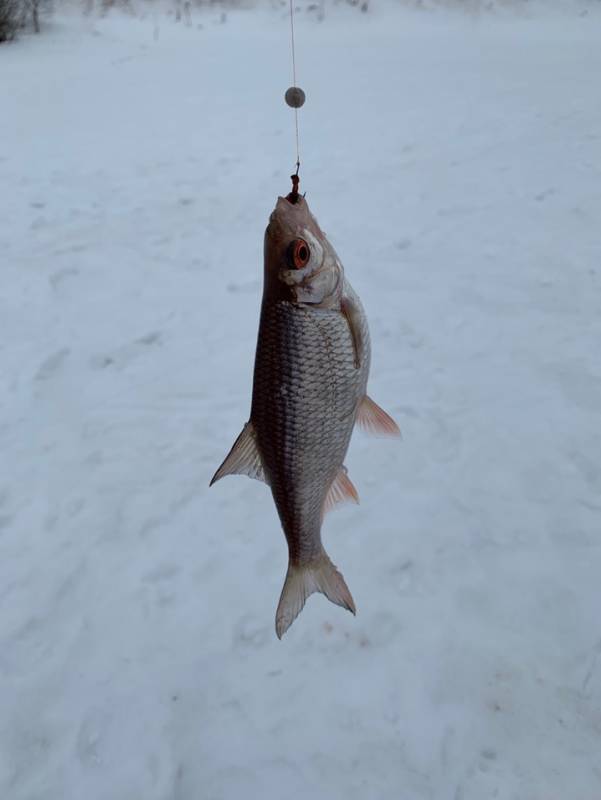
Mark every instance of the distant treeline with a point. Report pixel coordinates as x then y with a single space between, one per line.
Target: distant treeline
17 15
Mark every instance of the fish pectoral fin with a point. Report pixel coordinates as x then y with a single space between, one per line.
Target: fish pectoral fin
373 419
304 579
341 490
244 458
353 317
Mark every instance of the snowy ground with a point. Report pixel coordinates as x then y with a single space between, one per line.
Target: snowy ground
455 164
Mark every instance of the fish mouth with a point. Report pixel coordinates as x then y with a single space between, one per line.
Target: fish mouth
291 210
287 220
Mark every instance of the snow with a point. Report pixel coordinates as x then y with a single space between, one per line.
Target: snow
454 162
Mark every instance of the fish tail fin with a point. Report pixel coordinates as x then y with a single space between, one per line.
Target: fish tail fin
302 580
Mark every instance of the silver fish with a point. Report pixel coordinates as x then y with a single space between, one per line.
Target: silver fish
309 391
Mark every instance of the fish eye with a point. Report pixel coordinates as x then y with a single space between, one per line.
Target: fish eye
298 253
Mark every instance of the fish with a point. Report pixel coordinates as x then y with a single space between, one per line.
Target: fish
309 391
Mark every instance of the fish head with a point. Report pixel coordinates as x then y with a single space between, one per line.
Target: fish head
301 266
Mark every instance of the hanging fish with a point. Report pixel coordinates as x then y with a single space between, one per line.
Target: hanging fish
309 391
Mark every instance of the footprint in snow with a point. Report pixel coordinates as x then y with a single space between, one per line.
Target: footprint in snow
243 288
5 521
51 365
58 278
91 737
124 355
250 633
163 572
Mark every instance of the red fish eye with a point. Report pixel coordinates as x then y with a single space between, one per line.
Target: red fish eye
298 254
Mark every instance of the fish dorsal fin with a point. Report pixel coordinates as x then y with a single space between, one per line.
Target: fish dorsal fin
341 490
244 458
373 419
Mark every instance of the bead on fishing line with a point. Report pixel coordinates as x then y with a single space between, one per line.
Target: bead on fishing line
295 97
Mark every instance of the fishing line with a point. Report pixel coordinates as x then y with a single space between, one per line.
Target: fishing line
295 98
294 81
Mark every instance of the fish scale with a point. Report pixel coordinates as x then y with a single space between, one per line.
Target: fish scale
305 394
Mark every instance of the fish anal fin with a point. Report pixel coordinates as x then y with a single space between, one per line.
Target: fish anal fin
302 580
341 490
243 459
373 419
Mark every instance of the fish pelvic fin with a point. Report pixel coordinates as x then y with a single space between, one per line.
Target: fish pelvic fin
243 459
302 580
373 419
